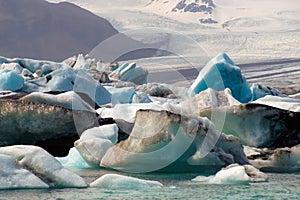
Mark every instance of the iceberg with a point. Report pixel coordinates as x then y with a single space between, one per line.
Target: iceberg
161 138
115 181
221 73
25 122
73 160
258 91
129 72
43 165
285 159
14 177
258 125
234 174
94 143
10 80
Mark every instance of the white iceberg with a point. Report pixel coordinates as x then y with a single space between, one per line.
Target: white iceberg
94 143
221 73
14 177
43 165
115 181
234 174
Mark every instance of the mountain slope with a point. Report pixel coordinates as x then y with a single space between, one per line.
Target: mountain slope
42 30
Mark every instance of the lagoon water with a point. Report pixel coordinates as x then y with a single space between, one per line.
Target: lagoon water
176 186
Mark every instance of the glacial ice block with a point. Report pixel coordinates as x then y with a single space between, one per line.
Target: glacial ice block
73 160
221 73
258 91
10 80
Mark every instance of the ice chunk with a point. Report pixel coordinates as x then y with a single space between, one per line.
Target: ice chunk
115 181
94 143
93 150
231 175
258 91
81 63
109 132
85 83
256 124
12 66
207 98
43 165
120 95
221 73
130 73
73 160
14 177
278 160
284 103
10 80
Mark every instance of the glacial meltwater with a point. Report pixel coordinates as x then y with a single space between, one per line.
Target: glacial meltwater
176 186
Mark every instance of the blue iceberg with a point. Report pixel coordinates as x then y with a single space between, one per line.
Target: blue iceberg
221 73
10 80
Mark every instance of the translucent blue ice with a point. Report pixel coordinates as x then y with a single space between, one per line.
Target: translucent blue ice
10 80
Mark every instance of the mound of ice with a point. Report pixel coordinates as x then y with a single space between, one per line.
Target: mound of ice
234 174
73 160
14 177
221 73
43 165
10 80
258 91
115 181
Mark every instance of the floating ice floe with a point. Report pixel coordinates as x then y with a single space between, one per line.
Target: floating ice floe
115 181
14 177
94 143
160 138
275 160
234 174
258 91
10 80
221 73
257 125
43 165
